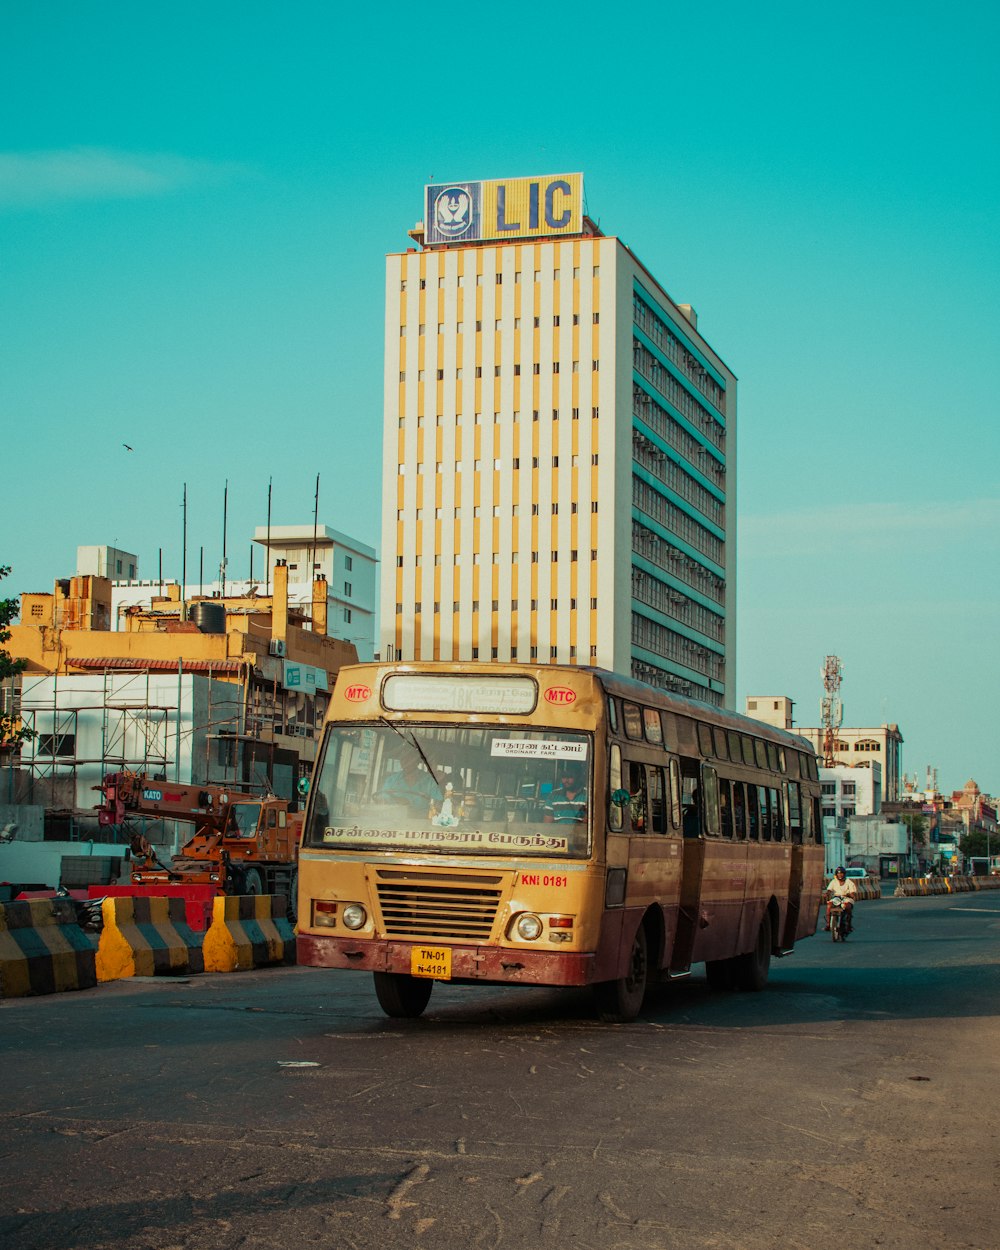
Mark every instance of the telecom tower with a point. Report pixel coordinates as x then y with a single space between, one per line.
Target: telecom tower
831 708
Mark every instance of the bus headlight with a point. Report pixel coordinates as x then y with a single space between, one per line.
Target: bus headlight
529 927
354 916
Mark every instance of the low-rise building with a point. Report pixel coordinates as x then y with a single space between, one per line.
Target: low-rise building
231 690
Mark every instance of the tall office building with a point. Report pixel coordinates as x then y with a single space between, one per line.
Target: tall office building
559 454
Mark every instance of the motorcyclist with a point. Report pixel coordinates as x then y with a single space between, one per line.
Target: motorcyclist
844 888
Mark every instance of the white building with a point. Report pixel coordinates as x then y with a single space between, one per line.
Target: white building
559 449
846 792
347 565
107 562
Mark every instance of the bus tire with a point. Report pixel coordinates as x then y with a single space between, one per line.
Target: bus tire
719 973
750 970
402 996
619 1001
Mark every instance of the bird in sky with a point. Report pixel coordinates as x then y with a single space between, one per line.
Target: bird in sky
127 447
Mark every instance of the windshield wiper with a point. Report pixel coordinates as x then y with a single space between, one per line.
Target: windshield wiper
411 739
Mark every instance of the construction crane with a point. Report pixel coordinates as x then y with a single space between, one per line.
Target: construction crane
831 708
242 844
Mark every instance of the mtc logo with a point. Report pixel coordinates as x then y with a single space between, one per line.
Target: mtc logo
530 205
561 696
358 693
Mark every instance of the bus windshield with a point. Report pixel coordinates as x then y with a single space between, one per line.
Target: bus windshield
488 790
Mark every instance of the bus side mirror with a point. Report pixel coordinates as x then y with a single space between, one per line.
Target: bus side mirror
620 797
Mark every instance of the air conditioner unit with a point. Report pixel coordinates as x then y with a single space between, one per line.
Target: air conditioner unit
277 647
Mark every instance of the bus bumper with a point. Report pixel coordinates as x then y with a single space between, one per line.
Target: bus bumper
468 963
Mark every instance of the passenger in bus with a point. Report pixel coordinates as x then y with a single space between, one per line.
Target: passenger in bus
567 802
412 786
691 821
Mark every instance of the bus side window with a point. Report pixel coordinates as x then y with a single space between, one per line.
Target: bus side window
614 783
637 791
725 808
657 802
690 799
710 799
705 739
765 815
753 813
675 794
739 810
777 817
794 812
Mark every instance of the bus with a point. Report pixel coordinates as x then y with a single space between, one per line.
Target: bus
554 826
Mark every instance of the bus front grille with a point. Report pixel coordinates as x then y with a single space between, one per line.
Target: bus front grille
461 907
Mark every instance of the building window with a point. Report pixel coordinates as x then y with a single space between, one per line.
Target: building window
347 615
347 588
56 745
555 320
348 563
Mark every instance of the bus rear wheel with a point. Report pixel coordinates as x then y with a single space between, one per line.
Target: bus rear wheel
750 970
402 996
619 1001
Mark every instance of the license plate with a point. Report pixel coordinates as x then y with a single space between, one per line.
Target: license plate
431 961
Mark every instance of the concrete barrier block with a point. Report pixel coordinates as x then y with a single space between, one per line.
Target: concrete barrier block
249 931
42 949
146 937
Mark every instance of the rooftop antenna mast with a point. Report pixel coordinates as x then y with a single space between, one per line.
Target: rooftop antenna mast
831 708
225 527
312 565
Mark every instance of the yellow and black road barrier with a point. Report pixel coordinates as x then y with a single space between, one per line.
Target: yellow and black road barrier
146 937
917 887
43 949
249 932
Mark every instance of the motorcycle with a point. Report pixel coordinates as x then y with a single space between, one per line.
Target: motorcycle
841 922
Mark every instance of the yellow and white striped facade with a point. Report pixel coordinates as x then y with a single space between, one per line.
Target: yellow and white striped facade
512 470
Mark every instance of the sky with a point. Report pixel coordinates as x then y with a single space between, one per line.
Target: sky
195 205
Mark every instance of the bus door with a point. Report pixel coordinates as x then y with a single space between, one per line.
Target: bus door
688 776
653 820
796 872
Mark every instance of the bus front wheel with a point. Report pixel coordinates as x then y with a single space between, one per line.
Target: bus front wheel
401 995
619 1001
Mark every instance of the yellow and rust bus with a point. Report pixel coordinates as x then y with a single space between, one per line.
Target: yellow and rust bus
548 825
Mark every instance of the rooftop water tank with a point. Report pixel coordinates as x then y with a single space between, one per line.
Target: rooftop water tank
209 616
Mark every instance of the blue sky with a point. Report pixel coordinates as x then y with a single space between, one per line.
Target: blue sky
195 202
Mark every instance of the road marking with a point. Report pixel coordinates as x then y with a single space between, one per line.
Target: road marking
987 911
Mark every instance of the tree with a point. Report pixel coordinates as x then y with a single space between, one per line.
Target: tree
11 732
977 843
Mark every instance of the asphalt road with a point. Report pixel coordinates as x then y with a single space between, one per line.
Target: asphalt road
851 1103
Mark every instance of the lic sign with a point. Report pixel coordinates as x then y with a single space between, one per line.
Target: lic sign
511 208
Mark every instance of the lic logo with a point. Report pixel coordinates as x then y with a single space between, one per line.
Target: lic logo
455 212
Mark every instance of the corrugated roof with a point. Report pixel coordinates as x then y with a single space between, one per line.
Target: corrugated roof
155 666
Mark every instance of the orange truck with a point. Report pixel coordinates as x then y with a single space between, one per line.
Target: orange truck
242 843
